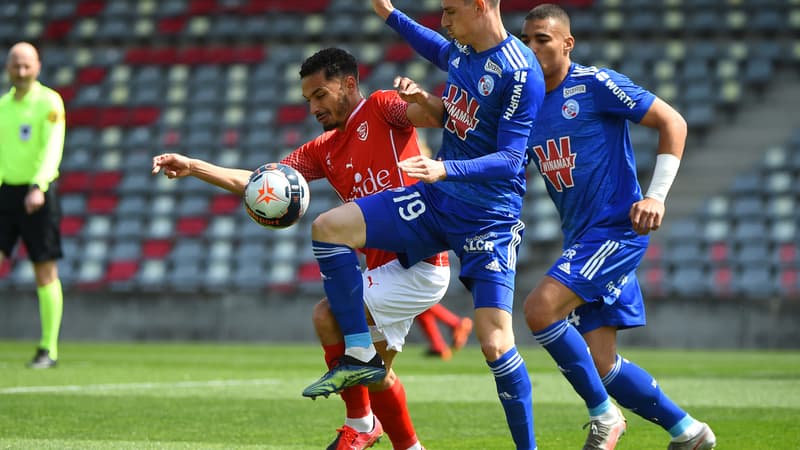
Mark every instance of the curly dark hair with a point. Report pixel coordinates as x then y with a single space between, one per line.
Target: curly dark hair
334 61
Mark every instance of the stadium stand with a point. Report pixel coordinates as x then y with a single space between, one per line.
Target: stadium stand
218 79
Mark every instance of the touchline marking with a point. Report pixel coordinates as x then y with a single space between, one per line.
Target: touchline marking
129 386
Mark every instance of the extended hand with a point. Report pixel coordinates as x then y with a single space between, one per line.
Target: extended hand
646 215
383 7
423 168
410 91
174 165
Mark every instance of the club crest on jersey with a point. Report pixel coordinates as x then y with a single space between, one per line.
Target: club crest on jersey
363 131
462 112
557 163
25 132
570 109
486 85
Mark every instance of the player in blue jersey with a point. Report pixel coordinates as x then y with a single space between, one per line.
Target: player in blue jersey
581 146
469 201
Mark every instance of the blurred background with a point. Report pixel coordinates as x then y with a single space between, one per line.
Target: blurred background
147 258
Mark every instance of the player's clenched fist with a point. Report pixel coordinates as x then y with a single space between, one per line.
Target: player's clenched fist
646 215
383 8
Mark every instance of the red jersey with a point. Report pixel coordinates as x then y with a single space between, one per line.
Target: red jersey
362 159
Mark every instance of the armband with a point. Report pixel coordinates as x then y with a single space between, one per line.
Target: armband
663 176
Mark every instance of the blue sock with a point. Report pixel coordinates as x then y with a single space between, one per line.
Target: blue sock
341 277
638 391
567 347
514 391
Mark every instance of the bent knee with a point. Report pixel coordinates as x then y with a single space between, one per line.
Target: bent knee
323 227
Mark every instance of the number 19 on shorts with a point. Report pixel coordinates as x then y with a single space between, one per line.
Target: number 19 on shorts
411 206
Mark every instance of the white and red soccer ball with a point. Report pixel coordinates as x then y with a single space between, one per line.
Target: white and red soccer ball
276 196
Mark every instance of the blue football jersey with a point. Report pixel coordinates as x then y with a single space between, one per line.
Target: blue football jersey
581 145
491 99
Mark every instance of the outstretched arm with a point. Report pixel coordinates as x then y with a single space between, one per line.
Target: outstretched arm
179 166
647 214
428 43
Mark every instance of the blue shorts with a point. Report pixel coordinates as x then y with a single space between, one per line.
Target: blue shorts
419 221
603 273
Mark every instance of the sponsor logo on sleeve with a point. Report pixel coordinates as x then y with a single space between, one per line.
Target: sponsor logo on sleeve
617 91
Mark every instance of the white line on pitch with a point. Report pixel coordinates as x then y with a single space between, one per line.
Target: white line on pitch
128 386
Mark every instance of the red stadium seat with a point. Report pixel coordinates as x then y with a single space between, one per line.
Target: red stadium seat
172 25
57 30
103 203
191 226
75 181
225 204
722 282
156 248
121 271
90 8
289 114
789 280
91 75
309 272
71 225
399 52
105 181
67 93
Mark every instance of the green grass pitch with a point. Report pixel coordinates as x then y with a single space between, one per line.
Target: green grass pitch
226 396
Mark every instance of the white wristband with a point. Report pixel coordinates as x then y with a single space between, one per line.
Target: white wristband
663 176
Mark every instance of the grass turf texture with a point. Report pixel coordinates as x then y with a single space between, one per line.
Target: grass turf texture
220 396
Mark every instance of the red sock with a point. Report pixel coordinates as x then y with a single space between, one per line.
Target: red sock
445 315
427 321
356 398
390 407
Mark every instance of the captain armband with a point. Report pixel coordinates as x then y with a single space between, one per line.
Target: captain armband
663 176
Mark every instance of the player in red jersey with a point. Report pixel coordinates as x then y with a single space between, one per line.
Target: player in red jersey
364 139
460 329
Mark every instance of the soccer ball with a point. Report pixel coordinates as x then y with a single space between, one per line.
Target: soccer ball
276 196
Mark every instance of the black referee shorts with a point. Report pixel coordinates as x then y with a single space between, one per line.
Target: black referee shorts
40 231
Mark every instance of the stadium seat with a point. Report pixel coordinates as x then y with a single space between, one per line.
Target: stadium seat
688 281
722 282
755 282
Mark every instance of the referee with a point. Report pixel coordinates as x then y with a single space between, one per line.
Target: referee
31 144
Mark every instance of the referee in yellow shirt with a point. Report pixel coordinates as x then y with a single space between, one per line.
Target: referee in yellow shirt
31 144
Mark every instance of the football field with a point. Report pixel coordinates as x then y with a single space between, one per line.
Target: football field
227 396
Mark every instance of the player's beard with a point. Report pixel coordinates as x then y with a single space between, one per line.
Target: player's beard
339 113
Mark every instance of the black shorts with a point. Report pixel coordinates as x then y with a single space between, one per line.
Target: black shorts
40 231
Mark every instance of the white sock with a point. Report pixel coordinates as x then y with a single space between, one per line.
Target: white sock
690 432
416 446
363 354
361 424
